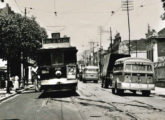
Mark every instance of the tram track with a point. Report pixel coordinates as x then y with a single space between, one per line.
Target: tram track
126 108
71 100
110 105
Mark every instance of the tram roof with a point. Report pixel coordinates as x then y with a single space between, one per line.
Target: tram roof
133 59
58 48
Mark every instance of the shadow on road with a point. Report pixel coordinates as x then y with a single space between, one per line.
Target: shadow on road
11 119
59 94
133 95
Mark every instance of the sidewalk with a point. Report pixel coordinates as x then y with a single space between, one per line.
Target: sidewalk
159 91
4 95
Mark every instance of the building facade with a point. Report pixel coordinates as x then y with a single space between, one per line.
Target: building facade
156 53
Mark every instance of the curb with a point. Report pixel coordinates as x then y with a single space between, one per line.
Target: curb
157 94
161 95
5 98
12 95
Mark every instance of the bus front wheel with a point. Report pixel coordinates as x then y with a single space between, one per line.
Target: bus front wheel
120 91
113 90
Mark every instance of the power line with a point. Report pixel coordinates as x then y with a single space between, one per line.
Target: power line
18 6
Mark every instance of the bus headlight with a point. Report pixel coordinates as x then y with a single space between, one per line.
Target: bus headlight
71 71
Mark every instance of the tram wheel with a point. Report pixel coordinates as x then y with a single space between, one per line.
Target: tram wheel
146 93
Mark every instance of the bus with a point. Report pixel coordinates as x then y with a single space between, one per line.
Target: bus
57 66
90 73
134 74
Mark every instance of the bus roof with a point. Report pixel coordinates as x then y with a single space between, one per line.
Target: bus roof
133 59
91 67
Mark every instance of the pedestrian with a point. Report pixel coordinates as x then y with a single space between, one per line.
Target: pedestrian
16 83
10 83
34 71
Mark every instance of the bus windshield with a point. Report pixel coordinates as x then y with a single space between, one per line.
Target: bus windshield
91 70
118 67
138 67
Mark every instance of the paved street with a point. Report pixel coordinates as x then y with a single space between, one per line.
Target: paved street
91 102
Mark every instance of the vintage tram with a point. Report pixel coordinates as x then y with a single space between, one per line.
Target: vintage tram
57 69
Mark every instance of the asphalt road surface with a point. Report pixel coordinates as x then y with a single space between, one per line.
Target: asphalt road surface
90 102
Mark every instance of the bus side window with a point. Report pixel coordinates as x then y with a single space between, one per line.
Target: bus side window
128 67
149 68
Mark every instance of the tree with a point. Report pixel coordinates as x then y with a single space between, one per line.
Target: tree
18 35
163 15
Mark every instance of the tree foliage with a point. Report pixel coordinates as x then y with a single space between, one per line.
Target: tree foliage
19 34
163 15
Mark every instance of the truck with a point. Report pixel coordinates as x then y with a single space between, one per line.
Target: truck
108 62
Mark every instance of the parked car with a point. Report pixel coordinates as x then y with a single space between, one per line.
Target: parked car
90 73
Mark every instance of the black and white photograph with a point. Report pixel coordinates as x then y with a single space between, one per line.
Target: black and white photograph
82 59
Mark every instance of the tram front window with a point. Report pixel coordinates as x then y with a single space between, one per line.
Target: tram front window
57 58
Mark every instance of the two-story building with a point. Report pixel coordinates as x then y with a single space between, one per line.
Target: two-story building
156 53
137 47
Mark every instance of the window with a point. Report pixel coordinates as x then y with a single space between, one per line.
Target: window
118 67
149 68
44 58
138 67
91 70
57 58
128 67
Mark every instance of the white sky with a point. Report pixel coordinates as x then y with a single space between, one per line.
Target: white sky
80 19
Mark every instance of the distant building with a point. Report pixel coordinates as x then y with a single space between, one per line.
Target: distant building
6 10
156 52
137 47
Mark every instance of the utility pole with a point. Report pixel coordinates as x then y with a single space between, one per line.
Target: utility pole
127 5
92 46
25 12
111 39
24 58
100 30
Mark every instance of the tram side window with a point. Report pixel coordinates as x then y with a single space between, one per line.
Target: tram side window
118 67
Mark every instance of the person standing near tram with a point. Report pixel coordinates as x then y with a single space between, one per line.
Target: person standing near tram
34 72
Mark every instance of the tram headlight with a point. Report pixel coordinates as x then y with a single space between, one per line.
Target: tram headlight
45 72
71 71
58 73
